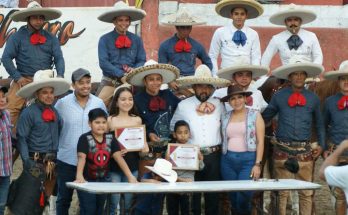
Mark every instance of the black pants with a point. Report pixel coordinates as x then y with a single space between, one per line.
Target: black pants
176 202
211 172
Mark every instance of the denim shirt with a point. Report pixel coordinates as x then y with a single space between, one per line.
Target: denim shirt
185 61
36 135
31 58
336 121
112 59
295 123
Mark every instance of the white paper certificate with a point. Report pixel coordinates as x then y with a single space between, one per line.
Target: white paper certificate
131 138
184 156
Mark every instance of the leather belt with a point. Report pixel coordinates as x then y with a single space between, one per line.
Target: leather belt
209 150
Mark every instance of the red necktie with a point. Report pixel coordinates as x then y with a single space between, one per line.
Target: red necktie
157 103
48 115
37 39
296 99
182 46
342 103
249 101
123 41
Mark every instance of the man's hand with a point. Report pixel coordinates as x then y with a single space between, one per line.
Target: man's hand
132 179
154 138
317 152
24 81
173 85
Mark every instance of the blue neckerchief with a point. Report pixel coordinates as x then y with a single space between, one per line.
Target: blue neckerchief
239 38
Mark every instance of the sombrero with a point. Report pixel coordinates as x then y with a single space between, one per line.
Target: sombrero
306 15
122 9
44 78
164 169
224 8
342 71
203 75
168 72
243 64
298 63
182 18
35 8
234 90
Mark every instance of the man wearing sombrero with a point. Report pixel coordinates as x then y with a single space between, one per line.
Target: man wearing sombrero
236 39
203 113
335 114
298 110
33 49
119 51
181 50
37 132
294 40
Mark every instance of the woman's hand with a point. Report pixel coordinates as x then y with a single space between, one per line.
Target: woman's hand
80 179
255 172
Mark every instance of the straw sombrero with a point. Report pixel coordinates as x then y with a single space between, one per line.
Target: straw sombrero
298 63
168 72
243 64
35 8
44 78
342 71
203 75
224 7
164 169
122 9
306 16
182 18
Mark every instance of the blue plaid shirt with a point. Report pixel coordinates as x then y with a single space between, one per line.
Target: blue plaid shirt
5 144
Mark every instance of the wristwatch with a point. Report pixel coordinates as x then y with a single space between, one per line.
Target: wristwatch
258 163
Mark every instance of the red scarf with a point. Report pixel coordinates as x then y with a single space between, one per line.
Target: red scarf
123 41
182 46
205 108
342 103
48 115
296 99
37 39
157 103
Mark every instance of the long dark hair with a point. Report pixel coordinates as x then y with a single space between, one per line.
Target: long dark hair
115 110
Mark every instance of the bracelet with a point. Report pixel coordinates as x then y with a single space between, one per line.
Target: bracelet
258 163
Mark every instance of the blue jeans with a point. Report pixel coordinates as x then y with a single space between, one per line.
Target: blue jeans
65 173
91 204
237 166
4 185
115 198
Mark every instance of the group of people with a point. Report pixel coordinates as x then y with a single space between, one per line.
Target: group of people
214 107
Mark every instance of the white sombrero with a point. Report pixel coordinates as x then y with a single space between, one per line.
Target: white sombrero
298 63
306 16
243 64
164 169
342 71
182 18
168 72
203 75
122 9
35 8
224 7
44 78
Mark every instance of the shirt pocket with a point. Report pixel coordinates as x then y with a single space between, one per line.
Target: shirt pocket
131 54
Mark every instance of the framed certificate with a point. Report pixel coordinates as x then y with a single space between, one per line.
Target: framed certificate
183 156
131 138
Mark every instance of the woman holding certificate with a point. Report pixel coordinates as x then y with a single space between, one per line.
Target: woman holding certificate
123 115
243 144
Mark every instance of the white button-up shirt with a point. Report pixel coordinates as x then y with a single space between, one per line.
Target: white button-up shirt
222 43
310 48
205 129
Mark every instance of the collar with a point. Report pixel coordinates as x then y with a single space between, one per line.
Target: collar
233 28
290 34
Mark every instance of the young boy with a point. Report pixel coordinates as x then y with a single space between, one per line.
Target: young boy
94 150
5 149
175 202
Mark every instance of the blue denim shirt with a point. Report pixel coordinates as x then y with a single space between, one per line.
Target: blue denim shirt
31 58
112 59
185 61
336 121
295 123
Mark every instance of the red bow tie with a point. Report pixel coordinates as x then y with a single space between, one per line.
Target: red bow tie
48 115
249 101
182 46
37 39
123 41
157 103
342 103
296 99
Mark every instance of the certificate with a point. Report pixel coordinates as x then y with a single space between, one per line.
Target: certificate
183 156
131 138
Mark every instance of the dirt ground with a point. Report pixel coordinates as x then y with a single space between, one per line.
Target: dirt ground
323 202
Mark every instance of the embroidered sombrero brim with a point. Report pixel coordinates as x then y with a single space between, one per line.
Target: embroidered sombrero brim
306 16
168 72
134 14
48 13
59 84
333 75
257 71
312 69
190 80
224 8
173 20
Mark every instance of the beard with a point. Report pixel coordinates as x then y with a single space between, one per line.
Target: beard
203 97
